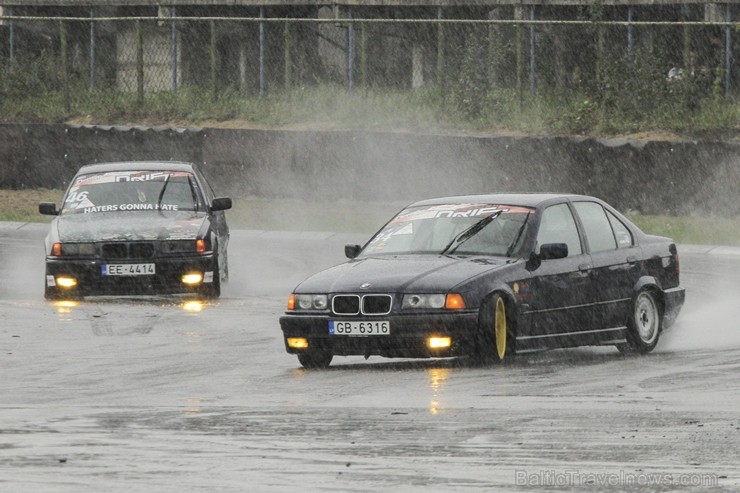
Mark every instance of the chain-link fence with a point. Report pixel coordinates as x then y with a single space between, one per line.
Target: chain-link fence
620 58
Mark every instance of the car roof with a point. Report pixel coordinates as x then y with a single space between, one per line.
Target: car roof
519 199
137 166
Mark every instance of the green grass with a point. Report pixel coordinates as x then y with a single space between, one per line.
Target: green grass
427 109
692 230
367 217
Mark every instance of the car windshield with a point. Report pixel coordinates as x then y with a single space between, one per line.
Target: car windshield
132 191
460 229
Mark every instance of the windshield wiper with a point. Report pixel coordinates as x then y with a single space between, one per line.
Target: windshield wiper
193 194
518 236
161 193
469 233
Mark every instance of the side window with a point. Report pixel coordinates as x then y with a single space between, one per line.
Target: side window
596 225
558 226
621 232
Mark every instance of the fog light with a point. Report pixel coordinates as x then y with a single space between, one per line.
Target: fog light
66 282
439 342
191 279
297 342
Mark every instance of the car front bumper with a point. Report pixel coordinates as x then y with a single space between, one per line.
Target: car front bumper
91 281
407 339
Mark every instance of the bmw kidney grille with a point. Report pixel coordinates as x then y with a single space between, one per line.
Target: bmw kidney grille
369 304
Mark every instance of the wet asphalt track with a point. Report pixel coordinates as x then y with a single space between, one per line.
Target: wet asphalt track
160 394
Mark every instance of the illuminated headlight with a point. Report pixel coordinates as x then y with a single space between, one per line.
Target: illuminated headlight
192 279
311 302
78 249
66 282
439 342
423 301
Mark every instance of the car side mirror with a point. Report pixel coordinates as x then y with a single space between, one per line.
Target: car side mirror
221 204
553 251
352 251
48 209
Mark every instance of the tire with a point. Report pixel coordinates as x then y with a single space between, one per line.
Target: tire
495 330
212 289
225 277
644 325
315 359
52 294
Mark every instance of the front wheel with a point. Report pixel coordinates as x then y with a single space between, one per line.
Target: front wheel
644 325
315 359
495 331
212 289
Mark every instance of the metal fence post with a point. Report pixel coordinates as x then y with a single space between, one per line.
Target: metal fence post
630 41
519 56
532 54
686 40
139 64
92 49
728 51
286 52
212 51
11 36
363 54
262 53
173 37
65 66
440 49
350 49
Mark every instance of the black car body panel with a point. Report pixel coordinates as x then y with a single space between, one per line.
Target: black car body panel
137 228
585 298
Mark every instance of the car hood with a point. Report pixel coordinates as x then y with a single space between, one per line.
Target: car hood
418 273
130 226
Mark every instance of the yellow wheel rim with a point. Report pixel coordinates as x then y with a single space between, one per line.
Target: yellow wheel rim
499 328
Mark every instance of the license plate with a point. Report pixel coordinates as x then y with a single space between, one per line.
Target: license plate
127 269
359 328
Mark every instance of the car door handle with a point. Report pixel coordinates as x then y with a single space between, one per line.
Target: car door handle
584 267
631 259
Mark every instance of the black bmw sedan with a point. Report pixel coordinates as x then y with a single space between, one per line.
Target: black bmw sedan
137 228
490 276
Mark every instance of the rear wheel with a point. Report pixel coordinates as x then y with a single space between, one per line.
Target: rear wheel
315 359
495 331
644 325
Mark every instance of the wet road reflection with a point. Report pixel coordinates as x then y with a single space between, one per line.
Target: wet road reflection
173 394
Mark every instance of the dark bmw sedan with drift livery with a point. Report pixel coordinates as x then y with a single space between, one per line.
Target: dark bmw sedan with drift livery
490 276
137 228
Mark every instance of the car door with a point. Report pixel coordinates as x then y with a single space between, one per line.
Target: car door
615 263
560 289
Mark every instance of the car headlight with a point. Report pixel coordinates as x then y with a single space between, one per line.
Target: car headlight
308 302
184 246
450 301
73 249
